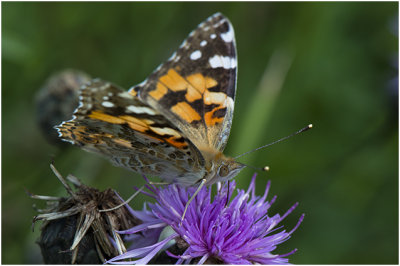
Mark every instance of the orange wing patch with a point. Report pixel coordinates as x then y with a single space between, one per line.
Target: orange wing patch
201 83
195 85
185 112
134 123
99 115
198 82
198 85
174 81
210 117
159 92
143 126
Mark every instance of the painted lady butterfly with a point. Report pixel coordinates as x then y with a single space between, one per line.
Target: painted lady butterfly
176 123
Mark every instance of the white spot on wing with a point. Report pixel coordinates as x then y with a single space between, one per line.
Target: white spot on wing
126 95
165 131
172 56
222 61
214 97
184 44
104 87
213 36
195 55
158 68
140 110
203 43
107 104
219 23
228 36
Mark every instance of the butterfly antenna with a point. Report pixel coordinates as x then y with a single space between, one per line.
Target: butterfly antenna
276 141
265 168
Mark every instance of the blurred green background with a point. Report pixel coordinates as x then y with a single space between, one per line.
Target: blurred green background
331 64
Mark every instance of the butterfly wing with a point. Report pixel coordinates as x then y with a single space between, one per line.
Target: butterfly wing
116 124
195 88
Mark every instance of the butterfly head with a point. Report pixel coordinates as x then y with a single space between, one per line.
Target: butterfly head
225 169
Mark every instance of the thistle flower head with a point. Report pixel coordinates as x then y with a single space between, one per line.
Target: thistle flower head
238 232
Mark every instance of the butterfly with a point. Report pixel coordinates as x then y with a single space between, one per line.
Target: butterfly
176 123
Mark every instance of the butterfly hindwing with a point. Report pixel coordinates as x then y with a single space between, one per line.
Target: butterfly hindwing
115 124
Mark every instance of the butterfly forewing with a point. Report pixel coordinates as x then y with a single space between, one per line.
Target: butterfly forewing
196 87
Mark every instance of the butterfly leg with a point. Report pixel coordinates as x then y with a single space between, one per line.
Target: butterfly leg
227 195
125 202
203 181
159 183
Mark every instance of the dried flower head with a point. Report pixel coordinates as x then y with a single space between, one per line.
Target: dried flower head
78 230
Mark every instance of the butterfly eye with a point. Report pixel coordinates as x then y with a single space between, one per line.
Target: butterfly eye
223 171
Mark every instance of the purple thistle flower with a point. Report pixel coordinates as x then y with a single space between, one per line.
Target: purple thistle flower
240 232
